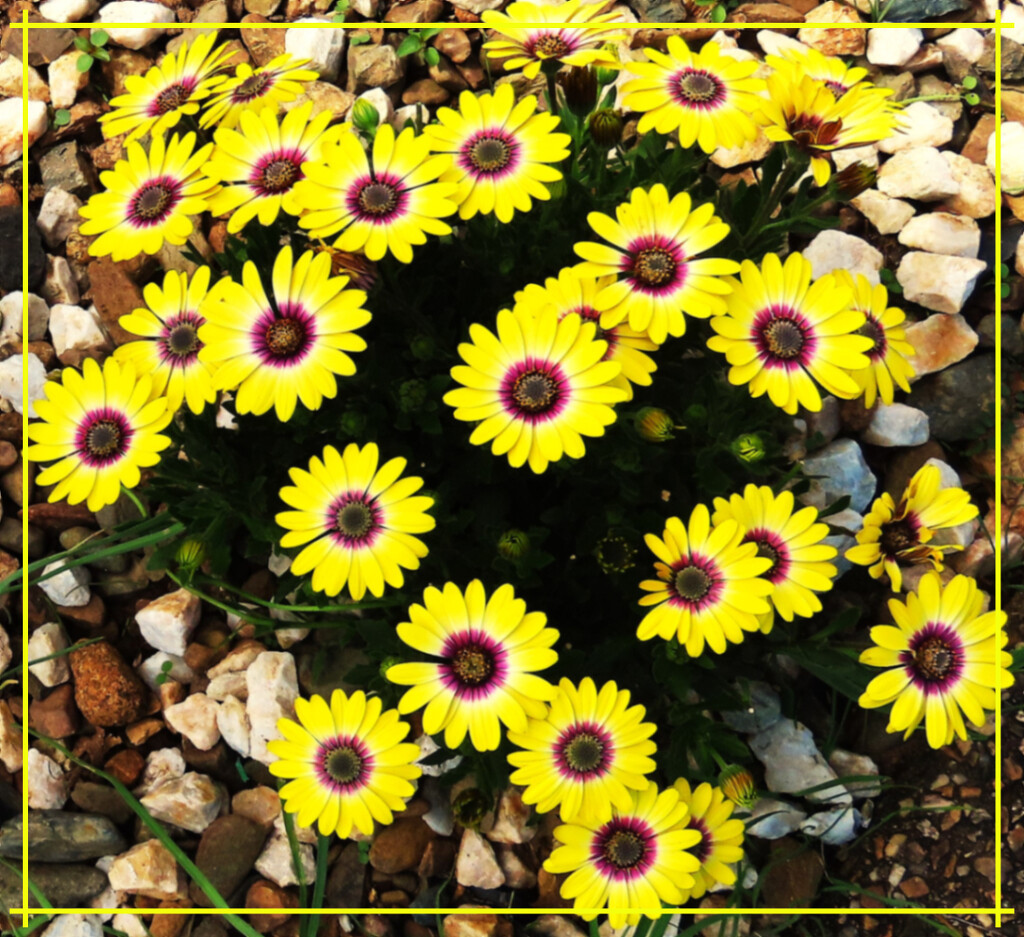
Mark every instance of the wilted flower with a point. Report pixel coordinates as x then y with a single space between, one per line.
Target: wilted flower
579 85
615 554
854 179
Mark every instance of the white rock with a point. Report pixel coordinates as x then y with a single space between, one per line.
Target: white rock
919 173
12 127
46 640
11 313
146 869
977 195
233 725
365 8
236 660
12 81
323 48
168 622
1012 13
273 688
477 6
6 654
793 763
286 637
749 151
867 155
75 925
70 587
228 684
73 328
942 233
130 925
834 827
139 13
191 802
888 215
938 281
969 43
834 250
59 286
893 46
10 740
776 43
896 425
476 865
47 786
162 765
920 125
196 719
850 764
68 11
1011 157
12 389
58 216
427 748
153 667
416 113
275 862
65 79
511 823
779 818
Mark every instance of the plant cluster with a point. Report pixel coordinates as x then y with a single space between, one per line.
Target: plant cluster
322 345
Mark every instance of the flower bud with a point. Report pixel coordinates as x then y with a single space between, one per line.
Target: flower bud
190 555
737 783
653 425
422 347
748 448
605 127
365 116
387 664
606 74
854 179
615 554
579 85
514 544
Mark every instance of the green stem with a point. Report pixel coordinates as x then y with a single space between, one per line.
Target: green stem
931 97
320 885
134 498
552 90
785 178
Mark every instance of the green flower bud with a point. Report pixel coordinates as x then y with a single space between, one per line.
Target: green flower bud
653 425
579 85
365 116
737 783
387 664
615 554
190 555
605 127
514 544
470 807
353 422
748 448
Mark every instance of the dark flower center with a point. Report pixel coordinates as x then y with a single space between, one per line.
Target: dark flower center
378 198
490 154
252 87
355 519
702 849
654 266
171 98
808 131
624 849
784 338
873 330
934 659
535 391
279 175
692 583
104 438
897 536
472 665
584 753
344 765
153 201
284 337
697 87
182 341
551 45
765 549
837 88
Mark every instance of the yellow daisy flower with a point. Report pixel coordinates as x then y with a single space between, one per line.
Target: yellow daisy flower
803 111
829 70
781 333
653 245
99 428
489 650
346 764
587 754
169 325
570 293
635 860
281 352
941 656
260 162
710 586
389 201
707 96
884 326
547 40
721 836
355 521
148 199
538 387
155 102
500 151
281 80
791 539
902 533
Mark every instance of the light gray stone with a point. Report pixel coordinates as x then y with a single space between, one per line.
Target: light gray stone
1011 157
58 216
323 48
191 802
851 765
773 819
764 709
968 43
793 763
65 79
273 688
888 215
148 869
152 667
833 827
233 724
47 785
11 314
843 471
940 232
920 124
977 195
22 397
75 925
276 864
74 329
938 281
162 765
834 250
68 11
70 587
476 865
896 424
918 173
195 718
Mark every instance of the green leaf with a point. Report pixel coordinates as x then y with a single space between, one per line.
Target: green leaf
972 99
61 117
431 55
102 54
84 62
718 14
82 44
429 32
410 45
99 38
970 82
840 504
838 670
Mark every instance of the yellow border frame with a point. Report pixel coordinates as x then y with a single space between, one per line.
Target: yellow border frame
998 912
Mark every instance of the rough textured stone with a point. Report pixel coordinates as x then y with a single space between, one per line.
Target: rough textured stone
400 846
138 13
1011 157
191 802
888 215
833 41
977 195
55 836
476 865
918 173
920 125
46 641
46 782
196 719
896 425
323 47
938 281
146 869
373 67
959 400
167 623
273 687
793 763
107 690
942 233
13 127
227 851
834 250
939 341
893 46
843 472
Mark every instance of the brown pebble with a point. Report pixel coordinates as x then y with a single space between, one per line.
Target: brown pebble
108 692
969 792
55 716
170 925
126 766
91 615
8 455
60 515
915 887
264 894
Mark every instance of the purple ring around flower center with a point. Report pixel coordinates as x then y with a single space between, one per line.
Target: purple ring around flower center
343 764
154 201
624 848
655 265
474 664
784 338
172 97
771 546
590 314
354 521
490 154
697 89
534 390
103 437
284 339
702 849
934 659
178 344
551 43
696 583
277 171
377 199
584 751
874 330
